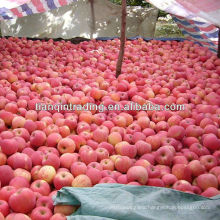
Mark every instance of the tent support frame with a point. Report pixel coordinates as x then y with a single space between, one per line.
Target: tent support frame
93 18
218 43
123 38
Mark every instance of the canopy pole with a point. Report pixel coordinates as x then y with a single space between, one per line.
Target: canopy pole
123 38
93 18
218 43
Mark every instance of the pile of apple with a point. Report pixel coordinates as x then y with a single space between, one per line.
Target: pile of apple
43 151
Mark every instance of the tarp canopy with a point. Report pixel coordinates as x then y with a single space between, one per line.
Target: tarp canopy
204 11
10 9
75 20
13 3
198 20
204 33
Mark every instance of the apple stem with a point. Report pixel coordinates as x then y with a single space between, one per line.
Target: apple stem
123 38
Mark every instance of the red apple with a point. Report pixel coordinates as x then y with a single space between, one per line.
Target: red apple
138 173
78 168
19 182
40 186
88 156
199 149
93 144
47 173
215 171
53 139
37 138
95 165
3 159
126 149
62 179
155 182
180 160
21 195
7 117
41 213
154 141
4 208
94 175
142 162
102 153
164 156
21 143
211 142
18 122
100 134
107 164
123 163
6 174
176 132
23 173
66 145
196 167
153 172
210 192
30 126
182 185
144 122
45 201
194 131
65 210
142 147
82 181
2 216
17 216
58 216
206 180
114 138
208 161
107 180
37 158
169 180
188 141
182 172
67 159
20 160
6 192
9 146
52 160
122 179
107 146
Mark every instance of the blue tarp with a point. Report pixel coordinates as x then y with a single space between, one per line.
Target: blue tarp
129 202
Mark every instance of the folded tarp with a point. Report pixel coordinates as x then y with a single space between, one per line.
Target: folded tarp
129 202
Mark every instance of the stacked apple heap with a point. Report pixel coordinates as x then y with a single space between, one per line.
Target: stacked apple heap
43 151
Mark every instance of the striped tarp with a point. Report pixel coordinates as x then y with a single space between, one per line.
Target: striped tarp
204 33
28 7
204 10
198 20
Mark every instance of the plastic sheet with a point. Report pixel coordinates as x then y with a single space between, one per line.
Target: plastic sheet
127 202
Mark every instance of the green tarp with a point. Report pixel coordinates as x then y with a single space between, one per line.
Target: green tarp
129 202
